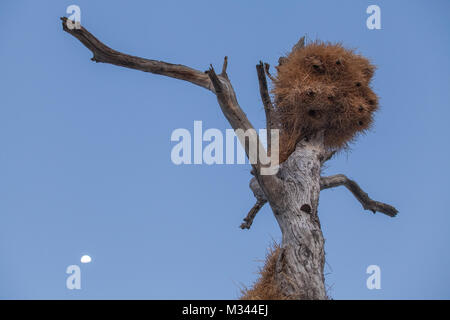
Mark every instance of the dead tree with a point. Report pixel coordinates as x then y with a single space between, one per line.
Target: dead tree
317 112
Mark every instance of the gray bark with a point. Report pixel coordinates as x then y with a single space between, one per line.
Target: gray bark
299 270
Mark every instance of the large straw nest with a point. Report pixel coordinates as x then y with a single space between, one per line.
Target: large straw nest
323 87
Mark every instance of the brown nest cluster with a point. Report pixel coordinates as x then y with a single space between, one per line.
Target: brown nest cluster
323 87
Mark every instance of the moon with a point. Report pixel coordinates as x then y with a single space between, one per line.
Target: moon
85 259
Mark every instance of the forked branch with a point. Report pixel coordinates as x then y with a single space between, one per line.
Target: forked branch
218 84
360 195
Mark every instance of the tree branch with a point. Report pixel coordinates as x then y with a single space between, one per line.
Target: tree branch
218 84
105 54
232 111
267 69
328 155
360 195
261 200
299 45
267 102
224 68
248 220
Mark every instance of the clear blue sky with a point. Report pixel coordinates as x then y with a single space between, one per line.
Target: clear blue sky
85 150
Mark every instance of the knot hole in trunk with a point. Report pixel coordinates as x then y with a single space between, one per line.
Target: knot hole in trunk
306 208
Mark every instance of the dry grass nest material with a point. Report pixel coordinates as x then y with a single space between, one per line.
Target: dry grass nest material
323 87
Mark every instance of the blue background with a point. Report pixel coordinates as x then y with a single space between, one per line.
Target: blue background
85 150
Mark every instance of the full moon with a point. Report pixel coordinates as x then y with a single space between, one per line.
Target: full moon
86 259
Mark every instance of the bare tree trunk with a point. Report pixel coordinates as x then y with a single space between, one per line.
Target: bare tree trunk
301 261
299 269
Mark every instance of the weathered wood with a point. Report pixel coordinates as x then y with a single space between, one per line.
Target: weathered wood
248 220
105 54
218 84
267 102
299 270
360 195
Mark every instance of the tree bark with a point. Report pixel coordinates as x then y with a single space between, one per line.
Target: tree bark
299 269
